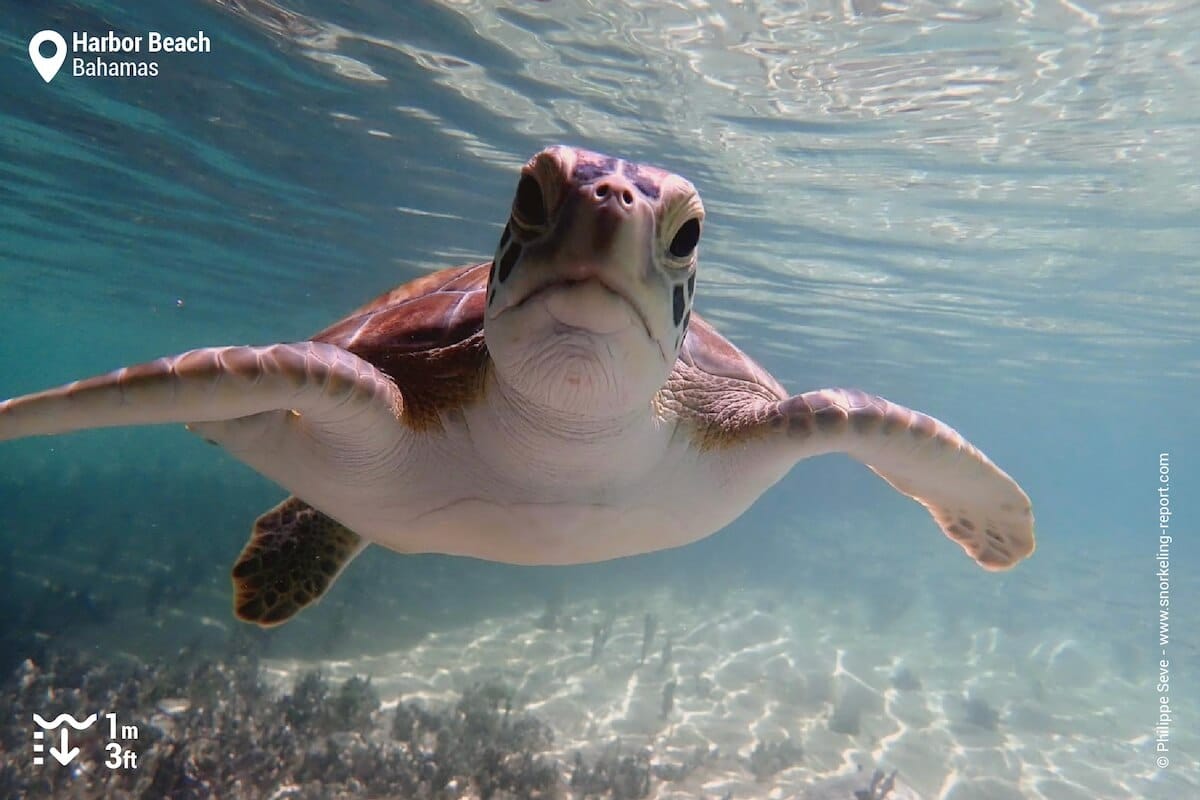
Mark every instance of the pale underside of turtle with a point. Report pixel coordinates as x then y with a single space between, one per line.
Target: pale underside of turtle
559 404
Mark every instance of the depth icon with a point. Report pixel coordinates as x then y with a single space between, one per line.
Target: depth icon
48 67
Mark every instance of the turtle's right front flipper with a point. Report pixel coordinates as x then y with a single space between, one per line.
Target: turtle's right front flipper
327 384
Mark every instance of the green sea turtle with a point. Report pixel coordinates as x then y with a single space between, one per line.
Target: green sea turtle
559 404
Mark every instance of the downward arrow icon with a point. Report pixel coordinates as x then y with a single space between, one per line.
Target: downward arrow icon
61 754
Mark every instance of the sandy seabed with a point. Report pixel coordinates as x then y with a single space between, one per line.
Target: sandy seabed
781 699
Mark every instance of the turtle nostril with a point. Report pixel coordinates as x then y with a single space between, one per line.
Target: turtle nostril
619 193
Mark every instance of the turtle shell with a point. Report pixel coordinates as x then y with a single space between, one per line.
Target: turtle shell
437 310
427 335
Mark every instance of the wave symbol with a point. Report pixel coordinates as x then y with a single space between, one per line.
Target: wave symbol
67 718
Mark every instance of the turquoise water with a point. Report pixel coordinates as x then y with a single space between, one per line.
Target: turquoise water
984 210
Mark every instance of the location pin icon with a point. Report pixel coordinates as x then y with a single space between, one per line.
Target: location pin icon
48 67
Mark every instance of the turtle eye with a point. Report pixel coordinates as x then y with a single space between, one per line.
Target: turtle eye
529 204
686 239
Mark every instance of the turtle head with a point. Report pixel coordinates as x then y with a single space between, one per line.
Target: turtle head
590 291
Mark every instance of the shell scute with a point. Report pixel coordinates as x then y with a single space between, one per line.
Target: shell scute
436 310
427 336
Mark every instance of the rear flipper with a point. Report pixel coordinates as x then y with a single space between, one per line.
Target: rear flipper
294 554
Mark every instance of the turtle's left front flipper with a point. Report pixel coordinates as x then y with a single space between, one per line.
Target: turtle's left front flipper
973 501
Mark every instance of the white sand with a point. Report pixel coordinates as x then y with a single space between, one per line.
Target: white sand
751 667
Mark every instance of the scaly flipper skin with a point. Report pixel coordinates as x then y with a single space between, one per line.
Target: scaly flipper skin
739 412
320 381
972 500
294 554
